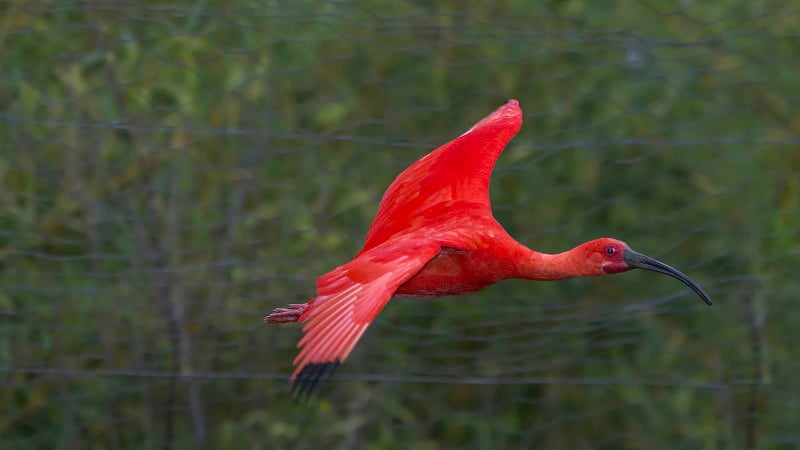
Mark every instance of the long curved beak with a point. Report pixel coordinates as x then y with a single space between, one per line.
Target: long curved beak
640 261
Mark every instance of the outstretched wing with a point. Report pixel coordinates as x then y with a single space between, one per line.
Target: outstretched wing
458 171
350 296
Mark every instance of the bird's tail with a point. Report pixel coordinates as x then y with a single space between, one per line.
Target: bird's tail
296 312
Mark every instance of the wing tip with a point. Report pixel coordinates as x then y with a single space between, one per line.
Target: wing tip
304 382
509 114
509 110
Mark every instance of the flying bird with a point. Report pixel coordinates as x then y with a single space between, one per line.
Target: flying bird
435 235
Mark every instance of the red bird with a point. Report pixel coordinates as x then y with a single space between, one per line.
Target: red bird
435 235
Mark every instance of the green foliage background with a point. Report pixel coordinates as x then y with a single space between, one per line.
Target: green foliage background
170 172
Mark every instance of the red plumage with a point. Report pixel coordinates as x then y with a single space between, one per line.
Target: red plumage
434 235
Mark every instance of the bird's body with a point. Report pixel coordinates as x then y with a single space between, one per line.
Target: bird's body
435 235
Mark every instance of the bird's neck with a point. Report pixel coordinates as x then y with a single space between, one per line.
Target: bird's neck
550 267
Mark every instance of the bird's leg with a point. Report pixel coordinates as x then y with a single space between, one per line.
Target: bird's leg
290 314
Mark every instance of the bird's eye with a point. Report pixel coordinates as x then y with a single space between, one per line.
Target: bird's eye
610 250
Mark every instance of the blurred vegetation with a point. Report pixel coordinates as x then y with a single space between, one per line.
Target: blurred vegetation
171 172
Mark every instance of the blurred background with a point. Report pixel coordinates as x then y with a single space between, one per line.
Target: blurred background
170 172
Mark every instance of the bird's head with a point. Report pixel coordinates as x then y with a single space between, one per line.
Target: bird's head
609 256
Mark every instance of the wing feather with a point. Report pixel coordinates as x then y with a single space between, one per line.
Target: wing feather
350 296
457 172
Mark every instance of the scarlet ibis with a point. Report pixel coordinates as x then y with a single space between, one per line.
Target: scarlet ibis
435 235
